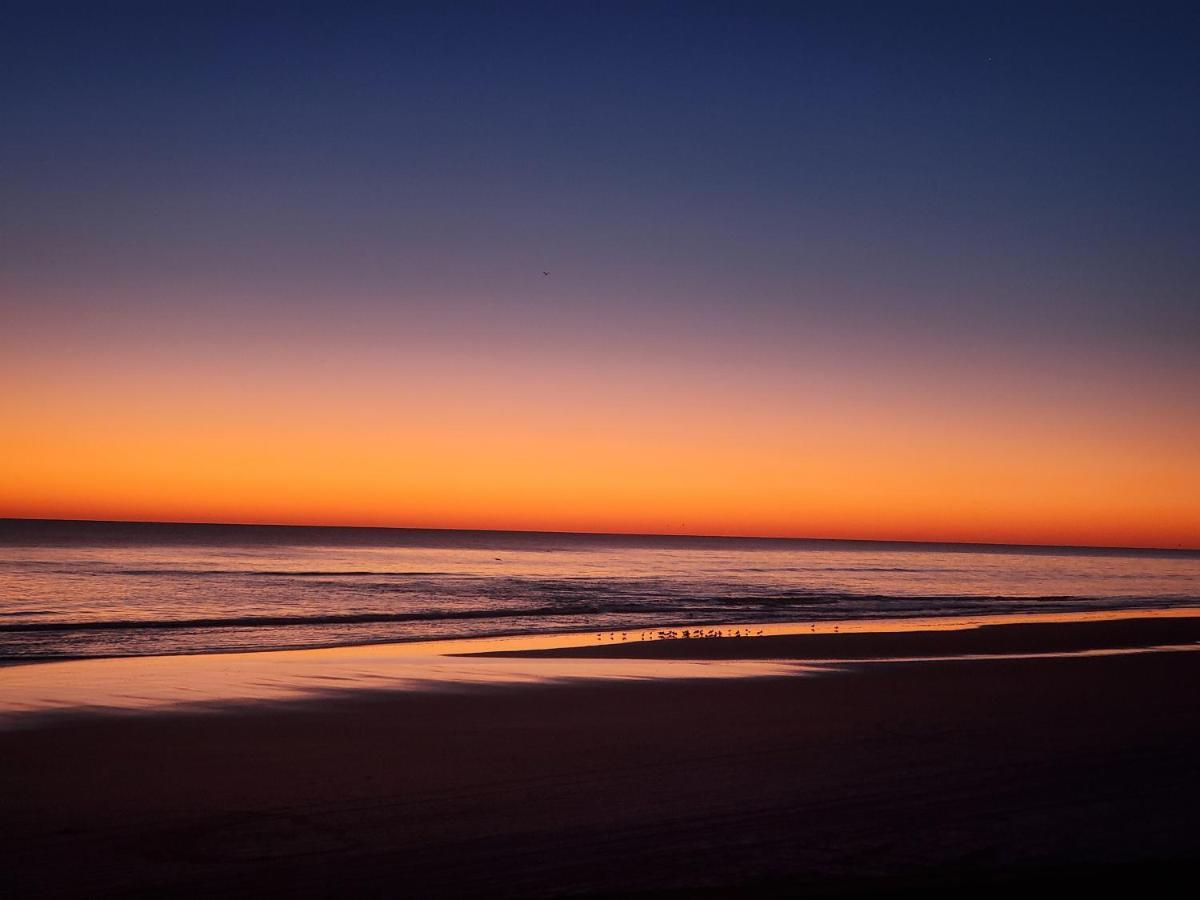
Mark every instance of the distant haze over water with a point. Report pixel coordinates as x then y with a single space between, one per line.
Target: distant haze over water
120 588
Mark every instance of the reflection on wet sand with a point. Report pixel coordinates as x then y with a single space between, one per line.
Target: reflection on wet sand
215 681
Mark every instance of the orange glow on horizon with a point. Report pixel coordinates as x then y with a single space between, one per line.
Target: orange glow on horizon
641 445
562 476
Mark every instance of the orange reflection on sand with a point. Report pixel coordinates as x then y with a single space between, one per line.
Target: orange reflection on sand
218 681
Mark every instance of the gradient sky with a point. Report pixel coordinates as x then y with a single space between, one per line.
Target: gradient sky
832 270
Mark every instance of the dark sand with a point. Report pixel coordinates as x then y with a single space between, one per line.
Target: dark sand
1070 774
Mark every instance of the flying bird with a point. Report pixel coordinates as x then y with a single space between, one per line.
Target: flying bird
545 273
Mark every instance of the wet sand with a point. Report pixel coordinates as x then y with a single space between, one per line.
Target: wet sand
1009 638
1073 773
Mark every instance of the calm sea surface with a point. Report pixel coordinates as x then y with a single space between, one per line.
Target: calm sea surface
100 589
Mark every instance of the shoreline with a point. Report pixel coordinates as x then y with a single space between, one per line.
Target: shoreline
36 693
536 641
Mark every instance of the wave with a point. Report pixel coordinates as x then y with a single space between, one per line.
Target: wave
324 619
278 573
384 573
773 606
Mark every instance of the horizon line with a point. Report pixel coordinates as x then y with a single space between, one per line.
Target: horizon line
630 534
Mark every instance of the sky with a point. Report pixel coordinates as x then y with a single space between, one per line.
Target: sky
897 271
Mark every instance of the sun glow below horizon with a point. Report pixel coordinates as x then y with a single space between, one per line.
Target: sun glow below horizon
593 443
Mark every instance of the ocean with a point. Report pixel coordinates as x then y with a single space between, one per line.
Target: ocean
93 589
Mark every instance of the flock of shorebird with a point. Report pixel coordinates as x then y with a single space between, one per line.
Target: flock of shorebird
672 633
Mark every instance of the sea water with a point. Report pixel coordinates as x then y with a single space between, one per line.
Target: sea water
82 589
